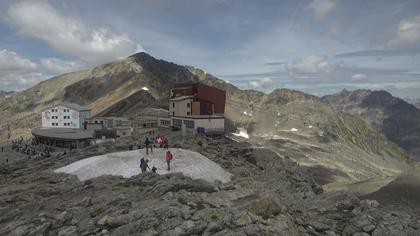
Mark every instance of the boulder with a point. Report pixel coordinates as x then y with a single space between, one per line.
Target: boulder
68 231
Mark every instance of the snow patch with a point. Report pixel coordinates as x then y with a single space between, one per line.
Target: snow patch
127 164
247 114
294 130
241 133
145 89
310 127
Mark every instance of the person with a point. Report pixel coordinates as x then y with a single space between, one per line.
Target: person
144 165
168 158
147 144
165 144
154 169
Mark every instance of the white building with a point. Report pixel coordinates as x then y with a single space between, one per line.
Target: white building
67 115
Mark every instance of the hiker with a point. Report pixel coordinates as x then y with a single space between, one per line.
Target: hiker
147 143
168 158
154 169
144 165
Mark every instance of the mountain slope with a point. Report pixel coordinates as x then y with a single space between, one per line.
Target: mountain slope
398 120
290 122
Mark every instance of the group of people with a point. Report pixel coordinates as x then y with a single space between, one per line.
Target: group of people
32 149
149 144
144 163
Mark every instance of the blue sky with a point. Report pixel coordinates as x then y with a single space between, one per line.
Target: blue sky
317 46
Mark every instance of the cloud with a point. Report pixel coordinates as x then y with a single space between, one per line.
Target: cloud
69 35
312 65
17 72
263 83
382 53
320 8
407 32
358 77
11 61
60 66
21 80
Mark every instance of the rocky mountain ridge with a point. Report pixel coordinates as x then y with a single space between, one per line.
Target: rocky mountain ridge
397 119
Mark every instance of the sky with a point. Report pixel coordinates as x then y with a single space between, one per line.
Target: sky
316 46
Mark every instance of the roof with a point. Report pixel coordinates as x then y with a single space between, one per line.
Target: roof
62 133
75 106
190 85
180 98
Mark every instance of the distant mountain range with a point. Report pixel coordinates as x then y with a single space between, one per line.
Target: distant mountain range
298 125
397 119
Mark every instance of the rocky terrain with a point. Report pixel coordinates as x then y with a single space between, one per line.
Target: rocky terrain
6 94
398 120
269 195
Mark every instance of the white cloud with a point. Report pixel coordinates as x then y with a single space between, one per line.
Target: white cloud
19 80
312 65
320 8
17 72
69 35
11 61
358 76
60 66
406 33
263 83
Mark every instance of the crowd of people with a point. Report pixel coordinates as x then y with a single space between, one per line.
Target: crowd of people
32 149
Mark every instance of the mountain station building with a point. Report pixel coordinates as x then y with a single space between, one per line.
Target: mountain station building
199 107
62 126
66 115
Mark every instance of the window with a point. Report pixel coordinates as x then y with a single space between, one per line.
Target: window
173 113
188 104
189 124
188 113
173 104
165 122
